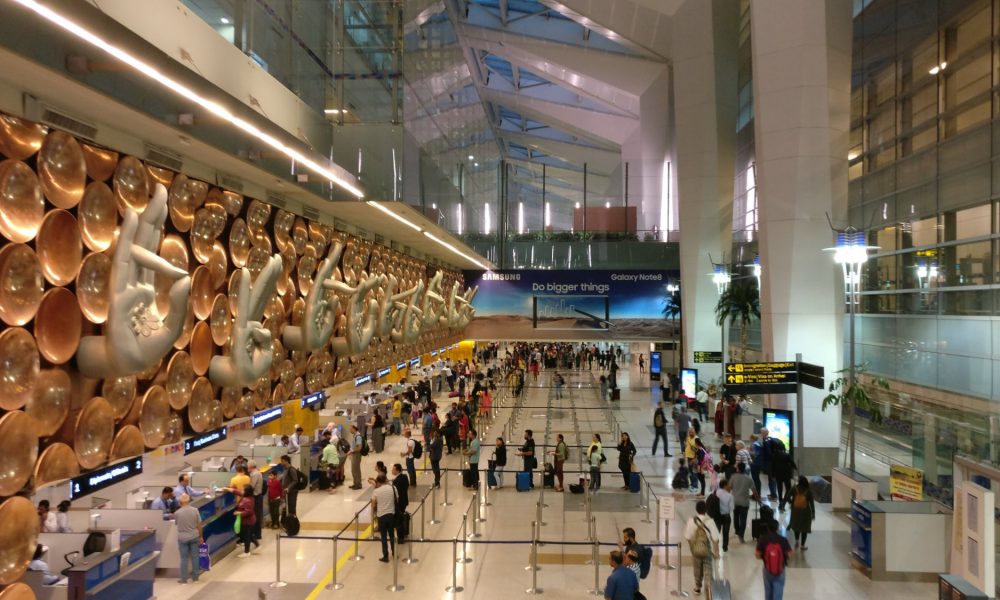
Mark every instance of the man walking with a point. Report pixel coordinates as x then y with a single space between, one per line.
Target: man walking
356 445
660 429
725 519
742 489
290 485
682 422
189 537
703 539
774 551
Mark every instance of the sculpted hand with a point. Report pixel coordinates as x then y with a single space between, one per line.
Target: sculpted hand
465 311
360 330
433 302
250 354
320 309
410 321
136 336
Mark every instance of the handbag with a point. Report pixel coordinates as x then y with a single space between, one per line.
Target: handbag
238 524
204 557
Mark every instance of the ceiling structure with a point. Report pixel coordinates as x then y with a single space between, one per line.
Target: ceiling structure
551 86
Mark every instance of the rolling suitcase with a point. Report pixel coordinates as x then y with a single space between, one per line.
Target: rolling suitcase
523 481
467 478
758 526
491 479
290 524
721 590
635 482
616 394
549 480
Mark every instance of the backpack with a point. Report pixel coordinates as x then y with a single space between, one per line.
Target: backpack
645 561
774 558
658 420
800 501
343 445
301 482
418 449
701 544
712 503
364 446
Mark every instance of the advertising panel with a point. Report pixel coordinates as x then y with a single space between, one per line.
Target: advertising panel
780 425
906 483
654 366
570 305
689 382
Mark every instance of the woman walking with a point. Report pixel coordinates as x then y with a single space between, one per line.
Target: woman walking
626 454
594 455
803 512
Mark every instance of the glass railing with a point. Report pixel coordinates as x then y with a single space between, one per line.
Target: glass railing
598 251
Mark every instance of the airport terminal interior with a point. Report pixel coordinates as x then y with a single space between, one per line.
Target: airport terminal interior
479 299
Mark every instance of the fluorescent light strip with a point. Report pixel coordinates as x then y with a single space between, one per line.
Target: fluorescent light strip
456 250
186 92
395 216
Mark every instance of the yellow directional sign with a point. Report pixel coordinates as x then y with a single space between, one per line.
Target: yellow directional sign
764 367
761 378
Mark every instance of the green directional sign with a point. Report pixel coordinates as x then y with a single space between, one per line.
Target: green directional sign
707 356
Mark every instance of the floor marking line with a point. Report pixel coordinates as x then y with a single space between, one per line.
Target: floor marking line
321 586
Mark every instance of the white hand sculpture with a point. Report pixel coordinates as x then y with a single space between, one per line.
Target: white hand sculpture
432 301
391 307
319 315
250 353
465 310
136 336
410 320
360 330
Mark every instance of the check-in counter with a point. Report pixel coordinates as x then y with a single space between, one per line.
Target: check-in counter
847 486
900 541
125 570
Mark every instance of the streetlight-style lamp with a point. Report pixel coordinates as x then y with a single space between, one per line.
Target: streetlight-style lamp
851 253
721 278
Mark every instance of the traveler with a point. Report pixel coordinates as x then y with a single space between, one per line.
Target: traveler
329 463
47 518
39 565
742 456
407 454
189 536
768 446
357 444
626 454
803 512
703 464
499 461
628 545
62 518
559 457
290 485
622 584
240 480
701 403
434 451
559 382
604 388
660 429
775 552
384 508
401 483
377 426
472 453
782 470
595 456
727 454
248 515
397 416
724 520
274 498
642 363
527 451
703 540
741 487
257 483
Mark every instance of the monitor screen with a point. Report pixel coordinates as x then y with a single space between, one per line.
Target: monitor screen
689 382
654 363
779 425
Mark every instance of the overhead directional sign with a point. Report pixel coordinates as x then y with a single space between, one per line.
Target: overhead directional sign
761 378
811 375
707 356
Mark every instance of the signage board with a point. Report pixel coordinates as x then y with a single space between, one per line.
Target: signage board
205 440
761 378
689 382
415 362
265 416
707 356
666 508
383 372
906 483
401 366
811 375
780 425
359 381
313 398
102 478
655 366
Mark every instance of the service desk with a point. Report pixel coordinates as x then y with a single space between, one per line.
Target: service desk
850 485
110 576
900 541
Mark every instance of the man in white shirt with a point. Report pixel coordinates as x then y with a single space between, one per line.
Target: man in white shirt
295 441
701 403
384 508
411 467
725 519
703 539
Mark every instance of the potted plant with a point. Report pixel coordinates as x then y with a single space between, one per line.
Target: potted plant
847 390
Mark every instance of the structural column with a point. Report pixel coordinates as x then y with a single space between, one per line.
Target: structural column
802 85
705 106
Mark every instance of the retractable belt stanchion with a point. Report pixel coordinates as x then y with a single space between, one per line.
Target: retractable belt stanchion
454 587
395 587
465 540
277 583
357 536
534 589
434 520
647 504
596 590
333 585
679 592
446 503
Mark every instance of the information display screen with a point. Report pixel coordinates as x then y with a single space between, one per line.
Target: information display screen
780 425
689 382
654 366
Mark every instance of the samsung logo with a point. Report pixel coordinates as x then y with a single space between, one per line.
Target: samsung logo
490 276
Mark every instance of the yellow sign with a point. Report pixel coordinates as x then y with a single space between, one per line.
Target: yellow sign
765 367
906 483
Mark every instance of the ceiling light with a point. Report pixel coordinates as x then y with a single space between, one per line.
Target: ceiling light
471 157
394 215
475 164
333 111
224 21
471 259
180 89
938 68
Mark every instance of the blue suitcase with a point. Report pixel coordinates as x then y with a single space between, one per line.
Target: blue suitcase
635 482
523 481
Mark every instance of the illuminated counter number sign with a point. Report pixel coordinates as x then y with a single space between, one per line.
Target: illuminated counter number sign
435 353
89 483
415 362
359 381
383 372
265 416
401 366
313 398
205 440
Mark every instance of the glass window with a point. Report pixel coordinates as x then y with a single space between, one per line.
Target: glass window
884 238
968 34
970 302
919 108
881 129
920 270
967 264
968 223
880 304
882 87
923 232
881 273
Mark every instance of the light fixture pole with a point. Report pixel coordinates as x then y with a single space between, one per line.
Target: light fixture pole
851 253
721 278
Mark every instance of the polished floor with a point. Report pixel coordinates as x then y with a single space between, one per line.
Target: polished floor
498 559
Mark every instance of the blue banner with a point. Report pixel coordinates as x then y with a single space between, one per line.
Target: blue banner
205 440
265 416
313 398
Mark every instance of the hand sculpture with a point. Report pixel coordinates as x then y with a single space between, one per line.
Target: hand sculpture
465 309
360 330
319 315
250 353
432 301
391 307
410 321
136 336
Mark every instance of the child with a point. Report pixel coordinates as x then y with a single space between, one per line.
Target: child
274 497
682 477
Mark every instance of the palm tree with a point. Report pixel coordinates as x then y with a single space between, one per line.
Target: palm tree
740 304
851 397
672 310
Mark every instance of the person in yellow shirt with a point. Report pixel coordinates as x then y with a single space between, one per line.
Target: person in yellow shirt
690 447
397 416
240 480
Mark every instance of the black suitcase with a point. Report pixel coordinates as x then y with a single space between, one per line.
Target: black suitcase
758 526
616 394
467 478
291 525
402 525
549 480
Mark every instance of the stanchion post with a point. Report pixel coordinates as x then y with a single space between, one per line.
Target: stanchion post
532 562
666 540
534 589
434 519
596 590
465 539
454 587
357 537
395 587
409 547
333 585
679 592
277 583
446 503
648 503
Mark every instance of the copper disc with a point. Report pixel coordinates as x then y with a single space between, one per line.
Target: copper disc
18 367
209 222
58 326
98 216
299 361
18 536
61 169
232 202
283 221
259 256
128 442
21 284
221 324
298 388
17 591
57 462
201 407
120 394
202 293
234 290
49 402
173 250
262 395
277 357
100 162
20 138
286 374
314 373
92 285
159 175
19 448
175 429
300 235
184 338
60 247
131 185
258 214
186 196
202 347
218 265
154 416
279 395
21 201
230 402
245 406
95 429
180 376
239 243
307 266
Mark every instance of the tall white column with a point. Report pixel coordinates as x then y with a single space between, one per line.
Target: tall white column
802 86
705 107
645 151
